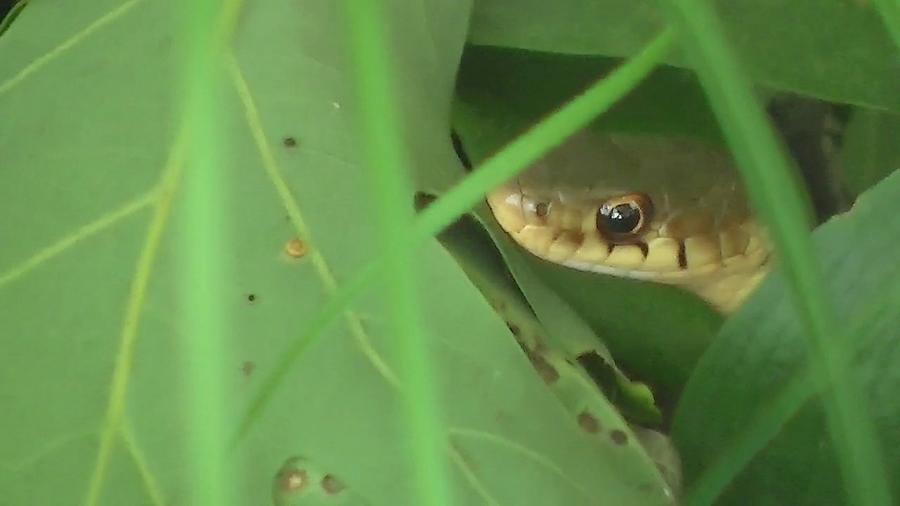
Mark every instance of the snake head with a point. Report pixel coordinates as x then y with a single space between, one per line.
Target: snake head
661 209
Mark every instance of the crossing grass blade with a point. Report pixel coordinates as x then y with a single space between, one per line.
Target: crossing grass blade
206 23
388 166
778 199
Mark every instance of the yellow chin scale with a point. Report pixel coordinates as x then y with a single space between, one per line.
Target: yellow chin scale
722 263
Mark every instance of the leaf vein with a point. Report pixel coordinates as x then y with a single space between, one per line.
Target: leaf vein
81 234
470 476
520 448
140 461
273 171
49 447
122 369
54 53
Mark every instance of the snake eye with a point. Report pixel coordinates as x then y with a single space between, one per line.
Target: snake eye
624 216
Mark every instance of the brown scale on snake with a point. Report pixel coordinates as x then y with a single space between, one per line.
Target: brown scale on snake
663 209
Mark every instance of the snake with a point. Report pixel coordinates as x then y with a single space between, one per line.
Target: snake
656 208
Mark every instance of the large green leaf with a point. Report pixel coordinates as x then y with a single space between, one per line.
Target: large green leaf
754 383
505 91
90 283
831 49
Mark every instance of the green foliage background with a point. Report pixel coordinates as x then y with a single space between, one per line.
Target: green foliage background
159 346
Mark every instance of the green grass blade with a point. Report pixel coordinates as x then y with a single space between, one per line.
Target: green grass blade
205 322
890 14
764 427
205 237
777 198
342 298
388 165
461 198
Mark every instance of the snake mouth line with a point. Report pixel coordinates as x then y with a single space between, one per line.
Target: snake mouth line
662 259
669 262
654 256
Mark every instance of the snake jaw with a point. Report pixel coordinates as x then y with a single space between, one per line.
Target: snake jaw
721 263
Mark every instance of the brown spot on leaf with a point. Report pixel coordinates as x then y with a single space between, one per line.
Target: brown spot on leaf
547 372
588 422
331 485
618 437
247 368
289 142
292 480
295 248
251 298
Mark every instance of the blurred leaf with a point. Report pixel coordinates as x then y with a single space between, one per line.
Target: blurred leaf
605 28
507 90
755 376
93 92
845 55
810 130
871 148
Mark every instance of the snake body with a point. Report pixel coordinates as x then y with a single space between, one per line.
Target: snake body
661 209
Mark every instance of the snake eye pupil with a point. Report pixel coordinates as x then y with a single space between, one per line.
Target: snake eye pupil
623 219
624 216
